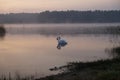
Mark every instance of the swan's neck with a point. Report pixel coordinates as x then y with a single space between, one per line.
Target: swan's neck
58 38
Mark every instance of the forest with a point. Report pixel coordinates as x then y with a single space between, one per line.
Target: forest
69 16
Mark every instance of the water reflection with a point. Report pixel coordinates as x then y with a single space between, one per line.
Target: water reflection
61 45
32 49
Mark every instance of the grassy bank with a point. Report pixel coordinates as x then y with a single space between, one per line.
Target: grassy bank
96 70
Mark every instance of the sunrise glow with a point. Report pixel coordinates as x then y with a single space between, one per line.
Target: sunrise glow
8 6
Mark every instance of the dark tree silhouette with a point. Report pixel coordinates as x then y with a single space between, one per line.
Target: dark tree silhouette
62 17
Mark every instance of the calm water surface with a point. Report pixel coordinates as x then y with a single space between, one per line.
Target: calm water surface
31 48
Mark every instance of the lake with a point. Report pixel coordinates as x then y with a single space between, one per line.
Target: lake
31 49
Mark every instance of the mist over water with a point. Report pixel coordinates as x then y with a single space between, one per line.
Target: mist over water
65 29
32 48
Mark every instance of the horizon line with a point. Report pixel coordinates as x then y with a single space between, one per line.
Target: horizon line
58 11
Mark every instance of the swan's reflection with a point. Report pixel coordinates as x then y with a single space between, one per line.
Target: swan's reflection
61 42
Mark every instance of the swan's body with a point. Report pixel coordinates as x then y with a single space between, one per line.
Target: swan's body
62 42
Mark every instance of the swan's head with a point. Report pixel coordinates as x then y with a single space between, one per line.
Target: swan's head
58 38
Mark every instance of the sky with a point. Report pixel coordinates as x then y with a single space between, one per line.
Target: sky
18 6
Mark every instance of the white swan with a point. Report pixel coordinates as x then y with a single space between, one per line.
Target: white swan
61 42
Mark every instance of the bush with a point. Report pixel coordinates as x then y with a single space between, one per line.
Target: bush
2 31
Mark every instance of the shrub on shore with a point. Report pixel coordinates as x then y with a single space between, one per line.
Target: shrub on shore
2 31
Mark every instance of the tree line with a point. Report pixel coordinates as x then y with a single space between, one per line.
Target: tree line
62 17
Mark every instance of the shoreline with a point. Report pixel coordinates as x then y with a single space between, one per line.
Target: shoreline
97 70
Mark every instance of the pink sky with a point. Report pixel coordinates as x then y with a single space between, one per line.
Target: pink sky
16 6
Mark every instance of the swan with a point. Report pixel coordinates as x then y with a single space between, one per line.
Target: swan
61 42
